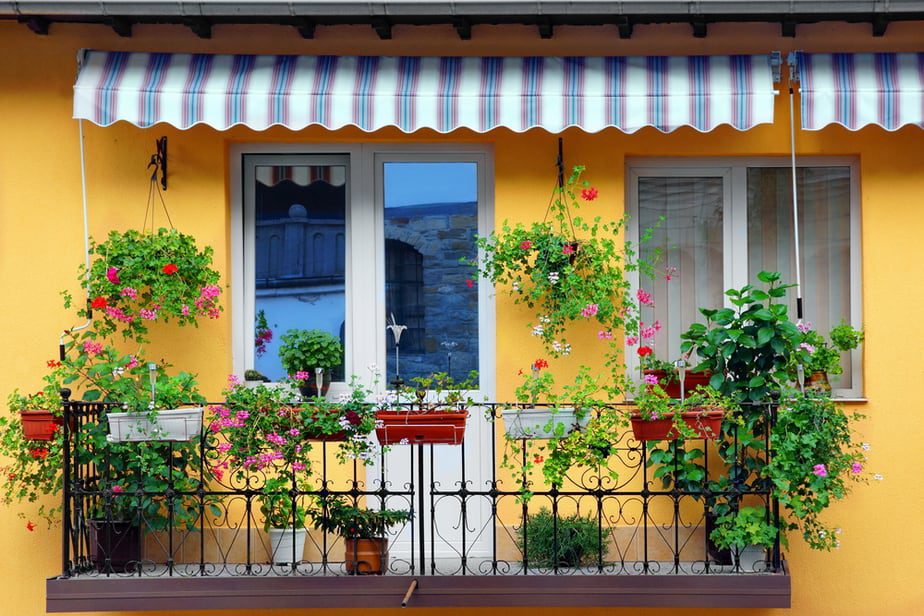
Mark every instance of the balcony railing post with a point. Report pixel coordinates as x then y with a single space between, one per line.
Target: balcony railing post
66 473
775 503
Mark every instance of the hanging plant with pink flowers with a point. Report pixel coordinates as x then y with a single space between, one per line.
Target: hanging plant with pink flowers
138 278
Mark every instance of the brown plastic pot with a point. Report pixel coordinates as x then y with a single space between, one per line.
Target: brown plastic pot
707 423
39 425
366 556
428 427
691 380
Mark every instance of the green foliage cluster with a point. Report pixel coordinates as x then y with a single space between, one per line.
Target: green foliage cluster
564 541
336 514
307 349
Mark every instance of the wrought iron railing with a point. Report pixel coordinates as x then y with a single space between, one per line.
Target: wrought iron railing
469 513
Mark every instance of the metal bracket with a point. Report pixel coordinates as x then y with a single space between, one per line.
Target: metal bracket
776 60
159 162
793 61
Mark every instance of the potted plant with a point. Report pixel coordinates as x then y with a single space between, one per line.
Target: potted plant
659 417
363 530
568 541
667 375
821 359
747 533
304 352
139 277
439 417
253 378
545 422
284 520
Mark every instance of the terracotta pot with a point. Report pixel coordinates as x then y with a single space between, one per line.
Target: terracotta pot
818 381
39 425
366 556
691 380
707 423
413 427
118 541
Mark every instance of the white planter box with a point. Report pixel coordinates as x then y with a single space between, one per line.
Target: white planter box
282 543
252 384
541 423
168 425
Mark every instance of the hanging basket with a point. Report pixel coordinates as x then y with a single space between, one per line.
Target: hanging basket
707 423
431 427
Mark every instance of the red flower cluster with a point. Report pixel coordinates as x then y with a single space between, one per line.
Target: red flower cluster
537 459
589 194
39 453
99 302
539 364
170 269
526 245
52 363
644 351
469 283
30 526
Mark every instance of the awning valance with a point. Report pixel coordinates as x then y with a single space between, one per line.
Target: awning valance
858 89
440 93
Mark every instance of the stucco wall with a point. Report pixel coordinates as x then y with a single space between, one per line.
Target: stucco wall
876 571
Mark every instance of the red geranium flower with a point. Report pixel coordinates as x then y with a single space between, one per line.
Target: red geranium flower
537 459
526 245
589 194
39 453
644 351
98 303
469 283
30 526
539 364
170 269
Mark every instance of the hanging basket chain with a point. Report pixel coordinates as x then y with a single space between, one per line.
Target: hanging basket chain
559 189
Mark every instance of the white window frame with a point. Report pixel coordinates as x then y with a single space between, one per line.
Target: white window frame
365 243
735 232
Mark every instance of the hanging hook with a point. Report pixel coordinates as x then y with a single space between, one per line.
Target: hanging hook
561 164
159 161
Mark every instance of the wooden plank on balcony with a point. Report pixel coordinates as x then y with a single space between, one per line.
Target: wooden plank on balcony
94 594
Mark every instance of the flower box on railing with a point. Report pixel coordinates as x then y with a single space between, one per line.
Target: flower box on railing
39 425
543 423
431 427
167 425
706 423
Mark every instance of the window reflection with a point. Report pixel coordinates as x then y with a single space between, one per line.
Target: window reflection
300 254
431 218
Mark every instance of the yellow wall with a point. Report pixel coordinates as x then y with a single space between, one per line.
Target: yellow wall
877 571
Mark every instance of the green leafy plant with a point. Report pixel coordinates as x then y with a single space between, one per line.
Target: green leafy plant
446 392
255 375
815 459
744 527
564 541
335 514
303 350
818 355
137 278
279 508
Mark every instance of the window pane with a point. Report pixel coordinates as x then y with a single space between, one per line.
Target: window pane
300 253
431 218
689 272
824 241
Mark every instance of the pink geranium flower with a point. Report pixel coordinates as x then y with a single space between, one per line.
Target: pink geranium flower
819 470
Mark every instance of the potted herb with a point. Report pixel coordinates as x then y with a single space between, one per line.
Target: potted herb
138 278
303 352
438 415
545 422
568 541
747 533
363 531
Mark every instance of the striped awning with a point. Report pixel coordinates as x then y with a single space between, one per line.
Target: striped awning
439 93
859 89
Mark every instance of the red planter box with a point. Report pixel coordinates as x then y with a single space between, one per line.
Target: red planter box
412 427
691 380
706 424
39 425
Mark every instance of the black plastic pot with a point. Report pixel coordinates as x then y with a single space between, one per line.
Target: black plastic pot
115 546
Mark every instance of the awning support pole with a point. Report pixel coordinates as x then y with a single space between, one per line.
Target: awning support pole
795 201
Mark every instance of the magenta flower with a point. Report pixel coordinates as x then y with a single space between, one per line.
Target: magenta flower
644 298
807 347
589 310
233 380
651 379
819 470
185 310
148 315
116 489
129 292
604 335
112 274
92 348
302 375
299 466
669 272
804 327
631 340
856 467
132 362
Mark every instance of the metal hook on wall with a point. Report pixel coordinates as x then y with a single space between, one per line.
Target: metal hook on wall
159 162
